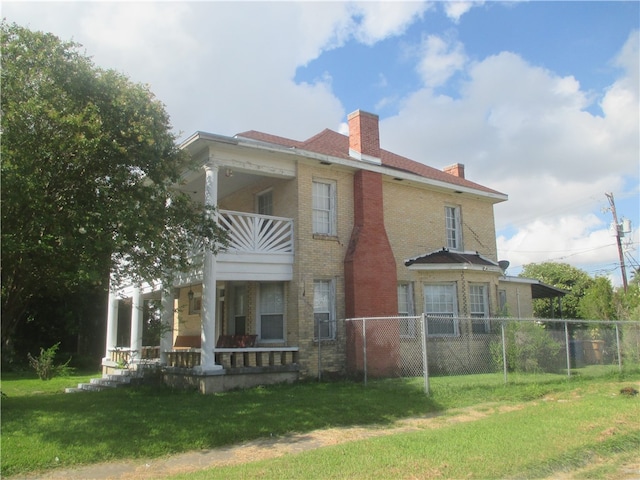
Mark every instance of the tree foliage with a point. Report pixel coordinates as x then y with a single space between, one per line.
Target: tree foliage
564 276
89 165
597 302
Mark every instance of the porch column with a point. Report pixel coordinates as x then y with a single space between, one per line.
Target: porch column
137 310
166 333
112 324
208 332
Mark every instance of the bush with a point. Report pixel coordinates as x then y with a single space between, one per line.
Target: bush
530 348
44 366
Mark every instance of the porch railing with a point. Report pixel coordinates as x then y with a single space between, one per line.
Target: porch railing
252 233
231 358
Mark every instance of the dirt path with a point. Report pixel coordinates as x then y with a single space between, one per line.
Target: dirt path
278 446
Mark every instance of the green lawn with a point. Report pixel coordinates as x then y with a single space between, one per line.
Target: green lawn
43 428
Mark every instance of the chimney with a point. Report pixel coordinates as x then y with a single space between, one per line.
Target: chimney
364 137
456 169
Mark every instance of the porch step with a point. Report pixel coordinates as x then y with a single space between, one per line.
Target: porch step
118 379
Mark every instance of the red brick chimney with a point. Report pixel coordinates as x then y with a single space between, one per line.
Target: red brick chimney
364 136
456 169
371 279
370 267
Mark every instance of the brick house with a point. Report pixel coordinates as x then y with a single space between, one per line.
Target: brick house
320 230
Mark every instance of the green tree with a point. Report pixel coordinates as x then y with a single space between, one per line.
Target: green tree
597 302
561 275
89 165
627 304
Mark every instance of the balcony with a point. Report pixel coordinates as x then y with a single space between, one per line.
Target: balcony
260 248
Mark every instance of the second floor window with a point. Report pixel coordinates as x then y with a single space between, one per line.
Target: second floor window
453 228
324 208
265 203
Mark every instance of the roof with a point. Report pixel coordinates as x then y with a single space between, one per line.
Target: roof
538 289
448 257
336 144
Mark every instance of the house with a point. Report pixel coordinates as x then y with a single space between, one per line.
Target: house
320 230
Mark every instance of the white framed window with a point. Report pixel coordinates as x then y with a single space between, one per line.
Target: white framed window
239 307
324 207
479 307
453 227
441 308
271 312
195 304
264 203
502 302
324 310
405 309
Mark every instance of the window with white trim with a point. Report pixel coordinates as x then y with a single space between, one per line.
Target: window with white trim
238 323
324 207
453 227
441 308
502 302
324 310
264 202
271 312
405 309
479 307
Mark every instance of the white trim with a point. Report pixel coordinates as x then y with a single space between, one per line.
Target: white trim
350 163
363 157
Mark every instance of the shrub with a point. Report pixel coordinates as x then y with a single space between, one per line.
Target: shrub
530 348
44 366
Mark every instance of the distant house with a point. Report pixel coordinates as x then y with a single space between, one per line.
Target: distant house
320 230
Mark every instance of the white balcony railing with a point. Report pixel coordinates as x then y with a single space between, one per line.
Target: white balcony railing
253 233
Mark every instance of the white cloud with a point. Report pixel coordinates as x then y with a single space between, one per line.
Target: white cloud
455 9
379 20
526 131
440 60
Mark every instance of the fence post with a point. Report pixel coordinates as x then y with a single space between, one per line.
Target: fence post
319 355
618 347
425 363
364 348
566 339
504 351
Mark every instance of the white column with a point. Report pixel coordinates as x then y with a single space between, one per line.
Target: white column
137 307
208 332
112 324
166 334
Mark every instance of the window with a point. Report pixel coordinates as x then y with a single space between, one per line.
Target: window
265 203
324 309
441 306
502 302
271 312
324 208
405 309
238 324
479 308
195 304
453 228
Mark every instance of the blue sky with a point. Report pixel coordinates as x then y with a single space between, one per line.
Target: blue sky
539 100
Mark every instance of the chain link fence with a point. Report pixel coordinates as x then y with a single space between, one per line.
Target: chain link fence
424 346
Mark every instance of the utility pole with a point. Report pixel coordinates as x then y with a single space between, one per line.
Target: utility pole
618 228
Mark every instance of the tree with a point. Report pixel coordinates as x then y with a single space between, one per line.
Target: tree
89 168
561 275
597 302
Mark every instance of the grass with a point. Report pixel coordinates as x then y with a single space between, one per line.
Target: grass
44 429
